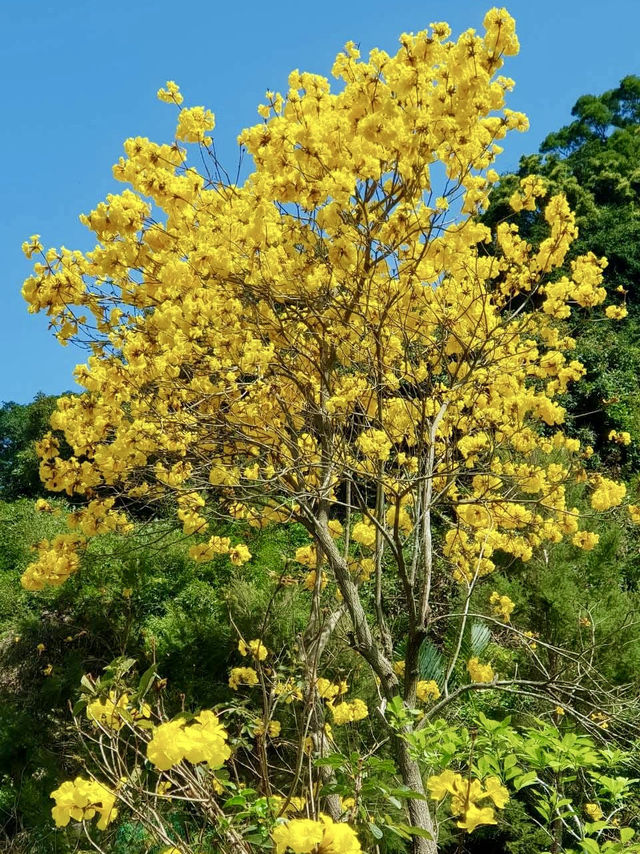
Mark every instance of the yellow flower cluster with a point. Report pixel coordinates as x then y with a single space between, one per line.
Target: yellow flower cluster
531 188
364 533
289 689
586 540
204 740
99 517
620 437
112 711
502 606
479 672
272 730
255 648
616 312
328 690
296 804
81 800
57 560
349 712
634 513
170 94
594 811
607 493
427 690
466 794
242 676
208 308
303 836
194 124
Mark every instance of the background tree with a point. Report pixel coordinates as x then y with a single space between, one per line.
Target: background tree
594 162
21 425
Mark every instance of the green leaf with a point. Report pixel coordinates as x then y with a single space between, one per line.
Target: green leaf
509 761
431 663
417 831
626 833
375 831
523 780
146 679
480 638
80 706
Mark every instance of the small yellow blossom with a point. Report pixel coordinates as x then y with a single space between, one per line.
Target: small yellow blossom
594 811
170 94
479 672
255 648
344 712
242 676
502 606
616 312
427 690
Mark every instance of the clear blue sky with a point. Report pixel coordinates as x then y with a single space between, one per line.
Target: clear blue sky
80 76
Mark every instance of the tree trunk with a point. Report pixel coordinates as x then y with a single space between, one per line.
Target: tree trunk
419 813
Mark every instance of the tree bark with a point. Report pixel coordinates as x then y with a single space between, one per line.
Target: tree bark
419 812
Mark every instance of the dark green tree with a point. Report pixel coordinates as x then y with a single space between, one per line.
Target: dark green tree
595 162
21 425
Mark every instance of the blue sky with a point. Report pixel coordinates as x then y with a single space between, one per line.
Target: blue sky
81 76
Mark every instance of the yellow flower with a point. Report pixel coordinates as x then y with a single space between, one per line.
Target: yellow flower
204 740
593 811
399 667
344 712
242 676
616 312
170 94
239 554
502 606
273 728
479 672
255 647
108 711
310 580
300 835
326 689
621 437
607 493
194 123
496 791
81 800
439 786
338 838
585 540
474 816
427 690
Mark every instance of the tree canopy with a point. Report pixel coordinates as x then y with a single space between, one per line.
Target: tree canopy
338 345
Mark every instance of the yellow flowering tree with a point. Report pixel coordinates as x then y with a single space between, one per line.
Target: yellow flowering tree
339 343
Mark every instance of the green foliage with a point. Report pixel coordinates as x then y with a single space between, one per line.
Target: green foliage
142 597
554 776
21 425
